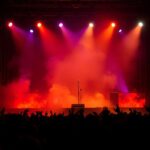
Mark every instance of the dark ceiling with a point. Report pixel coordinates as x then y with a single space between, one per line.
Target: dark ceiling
73 8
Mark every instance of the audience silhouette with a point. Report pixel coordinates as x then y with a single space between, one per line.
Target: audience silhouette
43 131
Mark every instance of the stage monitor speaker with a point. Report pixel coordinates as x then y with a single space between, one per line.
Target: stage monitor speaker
77 107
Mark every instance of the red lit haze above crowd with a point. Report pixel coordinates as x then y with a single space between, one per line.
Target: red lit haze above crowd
51 63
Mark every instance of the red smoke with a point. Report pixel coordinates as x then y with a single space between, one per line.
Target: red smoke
131 100
19 96
49 71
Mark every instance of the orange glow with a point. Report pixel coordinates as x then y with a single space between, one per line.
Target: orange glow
58 96
87 40
129 46
31 102
131 100
61 97
104 38
39 24
91 24
131 41
113 24
140 24
96 100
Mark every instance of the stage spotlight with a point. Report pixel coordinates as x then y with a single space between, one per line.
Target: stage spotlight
60 24
113 24
10 24
140 24
39 24
31 31
120 30
91 24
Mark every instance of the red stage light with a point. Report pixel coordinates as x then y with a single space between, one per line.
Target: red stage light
113 24
39 24
140 24
10 24
60 24
91 24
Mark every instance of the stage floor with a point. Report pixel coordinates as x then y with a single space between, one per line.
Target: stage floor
65 111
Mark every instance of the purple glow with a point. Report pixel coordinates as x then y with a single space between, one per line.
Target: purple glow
31 31
61 25
122 84
120 30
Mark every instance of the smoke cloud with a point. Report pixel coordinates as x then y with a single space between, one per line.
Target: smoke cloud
49 71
